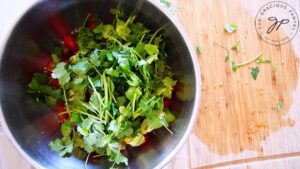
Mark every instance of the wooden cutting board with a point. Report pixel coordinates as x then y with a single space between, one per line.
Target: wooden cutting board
242 121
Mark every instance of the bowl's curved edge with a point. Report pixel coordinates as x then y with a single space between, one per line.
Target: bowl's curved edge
2 121
197 75
198 83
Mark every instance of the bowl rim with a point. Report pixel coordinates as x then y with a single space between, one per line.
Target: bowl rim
196 67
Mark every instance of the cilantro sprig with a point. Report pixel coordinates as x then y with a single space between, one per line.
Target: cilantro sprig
113 88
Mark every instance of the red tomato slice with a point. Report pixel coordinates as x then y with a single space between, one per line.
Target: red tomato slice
93 26
66 60
60 107
146 137
70 43
49 66
54 83
167 103
66 52
59 26
63 118
177 87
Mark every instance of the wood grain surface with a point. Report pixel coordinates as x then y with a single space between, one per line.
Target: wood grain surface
238 122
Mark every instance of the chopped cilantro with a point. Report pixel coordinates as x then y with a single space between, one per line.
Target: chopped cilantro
227 56
254 72
113 88
166 2
234 66
230 28
199 51
236 46
60 73
279 106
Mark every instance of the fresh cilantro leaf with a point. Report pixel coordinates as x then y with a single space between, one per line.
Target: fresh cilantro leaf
199 51
153 121
78 141
114 147
254 72
124 63
118 158
75 118
81 68
60 73
236 46
113 126
230 28
38 80
82 131
68 149
112 72
167 88
55 58
151 59
87 123
234 66
169 117
98 29
57 145
62 146
227 56
97 82
110 56
140 47
166 2
95 58
117 12
51 101
121 101
90 141
108 31
279 106
122 29
133 92
57 51
151 49
39 86
135 141
56 54
66 128
134 80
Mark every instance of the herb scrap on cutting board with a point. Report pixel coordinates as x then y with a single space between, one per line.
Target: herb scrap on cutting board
254 72
111 90
263 61
230 28
236 46
279 106
199 51
227 56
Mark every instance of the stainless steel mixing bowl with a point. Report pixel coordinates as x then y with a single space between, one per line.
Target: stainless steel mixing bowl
31 125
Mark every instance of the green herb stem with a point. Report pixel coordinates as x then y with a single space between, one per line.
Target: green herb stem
249 61
65 98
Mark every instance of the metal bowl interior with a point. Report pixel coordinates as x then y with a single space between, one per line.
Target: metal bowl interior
32 126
